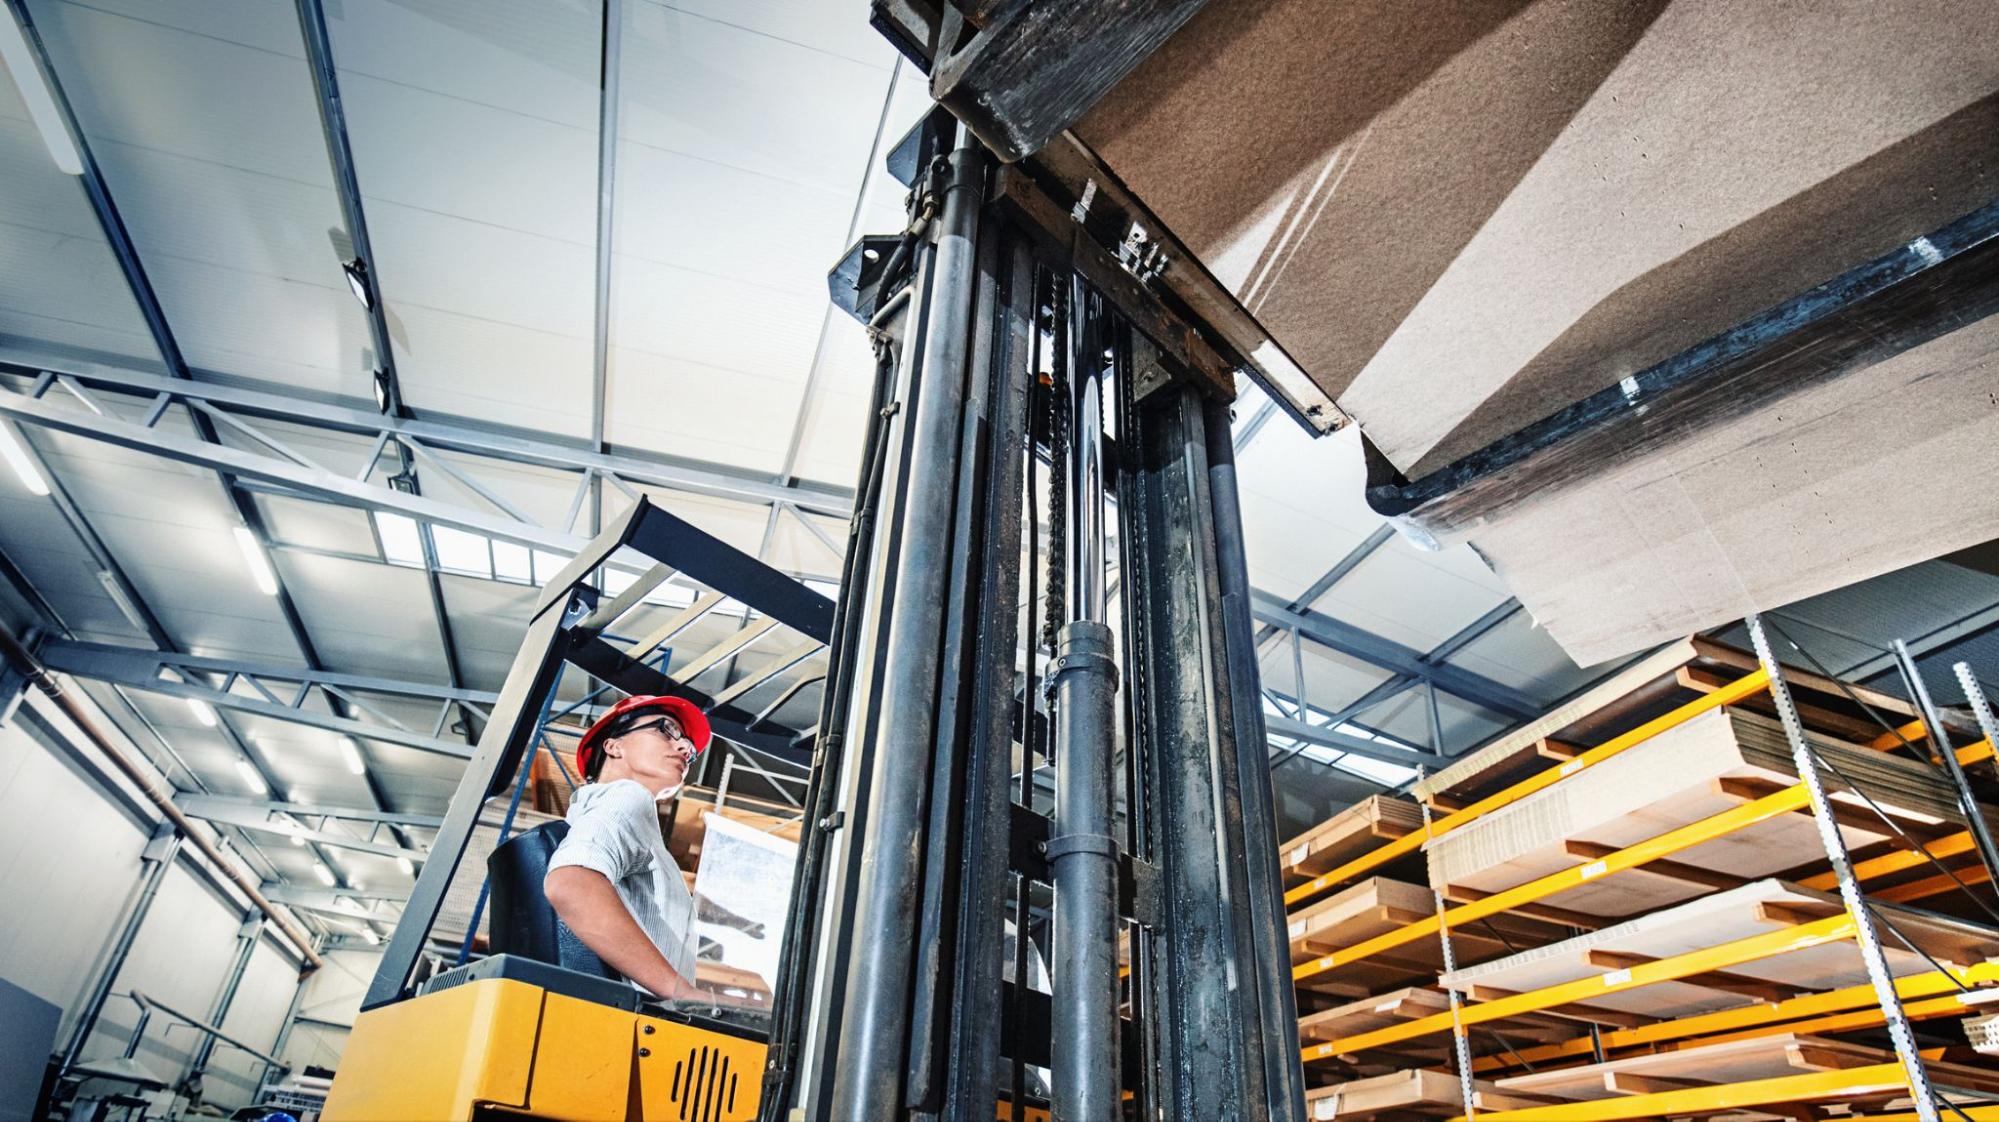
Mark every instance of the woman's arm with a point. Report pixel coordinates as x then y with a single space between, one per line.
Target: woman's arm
587 902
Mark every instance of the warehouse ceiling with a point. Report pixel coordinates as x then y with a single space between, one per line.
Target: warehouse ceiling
745 143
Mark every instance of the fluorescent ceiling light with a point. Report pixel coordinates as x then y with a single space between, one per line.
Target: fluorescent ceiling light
260 565
248 771
18 60
350 754
406 865
202 711
368 933
119 597
356 885
297 831
16 455
381 382
324 874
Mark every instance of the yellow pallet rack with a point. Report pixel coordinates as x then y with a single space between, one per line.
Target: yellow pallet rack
1916 997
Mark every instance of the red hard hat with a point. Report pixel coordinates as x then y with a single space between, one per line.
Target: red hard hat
692 720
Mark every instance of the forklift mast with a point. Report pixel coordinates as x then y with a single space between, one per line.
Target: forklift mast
1042 743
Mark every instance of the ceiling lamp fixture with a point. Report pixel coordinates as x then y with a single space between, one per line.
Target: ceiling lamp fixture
203 712
324 874
357 280
16 455
407 866
350 754
368 935
385 392
19 62
119 597
248 771
260 565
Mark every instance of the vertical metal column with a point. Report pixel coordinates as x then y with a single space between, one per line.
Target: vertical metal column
1974 817
159 855
869 1066
246 945
1460 1046
1266 955
1865 936
1083 681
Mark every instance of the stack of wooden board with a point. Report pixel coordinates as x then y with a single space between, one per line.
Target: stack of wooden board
1378 905
1700 768
1673 675
1736 1061
1347 835
1417 1093
1414 1003
1754 909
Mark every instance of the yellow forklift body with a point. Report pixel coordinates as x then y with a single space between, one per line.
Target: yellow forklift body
500 1047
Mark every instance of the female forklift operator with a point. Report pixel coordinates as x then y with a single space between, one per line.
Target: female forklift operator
611 879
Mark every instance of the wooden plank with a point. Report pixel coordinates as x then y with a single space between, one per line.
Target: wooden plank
1735 1061
1416 1093
1760 908
1707 765
1510 751
1348 834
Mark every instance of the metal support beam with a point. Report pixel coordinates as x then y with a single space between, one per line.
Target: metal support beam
1864 935
1358 643
1343 566
141 670
264 822
246 945
304 896
157 858
218 807
456 435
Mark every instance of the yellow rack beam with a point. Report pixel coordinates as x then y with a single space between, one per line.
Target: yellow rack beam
1815 1086
1765 1018
1913 731
1726 695
1817 933
1652 849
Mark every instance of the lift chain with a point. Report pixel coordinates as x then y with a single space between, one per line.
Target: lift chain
1058 461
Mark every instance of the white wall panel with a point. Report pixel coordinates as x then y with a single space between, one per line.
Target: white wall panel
62 910
66 902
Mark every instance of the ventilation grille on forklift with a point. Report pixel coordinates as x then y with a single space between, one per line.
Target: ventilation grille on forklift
703 1086
1984 1034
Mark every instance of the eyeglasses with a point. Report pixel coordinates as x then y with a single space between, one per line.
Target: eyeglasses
667 728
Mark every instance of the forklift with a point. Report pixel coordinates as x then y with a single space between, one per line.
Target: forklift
1037 875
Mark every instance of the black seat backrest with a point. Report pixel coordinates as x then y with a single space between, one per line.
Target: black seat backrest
521 921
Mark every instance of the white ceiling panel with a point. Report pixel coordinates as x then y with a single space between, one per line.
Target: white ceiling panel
492 371
837 27
683 408
720 92
59 283
729 221
211 150
366 618
538 58
1399 594
745 326
1519 653
488 619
